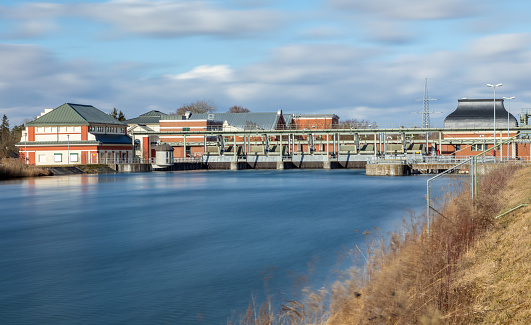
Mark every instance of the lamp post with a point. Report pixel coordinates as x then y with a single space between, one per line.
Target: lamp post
68 146
508 127
494 102
25 146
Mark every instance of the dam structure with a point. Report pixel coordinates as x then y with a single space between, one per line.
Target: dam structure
334 148
75 134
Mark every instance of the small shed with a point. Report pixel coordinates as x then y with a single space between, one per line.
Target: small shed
163 154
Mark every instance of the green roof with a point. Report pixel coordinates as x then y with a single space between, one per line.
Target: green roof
75 114
151 117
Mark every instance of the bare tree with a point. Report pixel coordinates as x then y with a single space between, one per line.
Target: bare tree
238 109
355 124
199 106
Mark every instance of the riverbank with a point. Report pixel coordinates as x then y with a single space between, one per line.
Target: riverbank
471 268
461 273
15 168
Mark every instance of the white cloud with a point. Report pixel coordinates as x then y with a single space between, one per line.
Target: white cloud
413 9
212 72
321 32
160 18
501 45
390 31
348 81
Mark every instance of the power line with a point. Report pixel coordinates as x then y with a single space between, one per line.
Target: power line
426 110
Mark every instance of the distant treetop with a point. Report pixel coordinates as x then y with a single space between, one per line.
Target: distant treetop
198 107
117 115
238 109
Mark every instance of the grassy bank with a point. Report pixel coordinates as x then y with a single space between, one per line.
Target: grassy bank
15 168
471 269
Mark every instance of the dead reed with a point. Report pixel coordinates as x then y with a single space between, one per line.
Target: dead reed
414 278
15 168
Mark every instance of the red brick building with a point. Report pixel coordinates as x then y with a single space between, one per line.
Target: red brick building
75 134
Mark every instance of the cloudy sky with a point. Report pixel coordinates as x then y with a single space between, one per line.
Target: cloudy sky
354 58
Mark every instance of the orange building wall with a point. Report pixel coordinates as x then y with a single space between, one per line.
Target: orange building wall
84 132
314 123
31 133
178 125
145 148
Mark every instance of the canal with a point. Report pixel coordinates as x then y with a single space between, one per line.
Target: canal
182 247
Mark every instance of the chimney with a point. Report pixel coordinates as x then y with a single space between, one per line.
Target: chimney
46 111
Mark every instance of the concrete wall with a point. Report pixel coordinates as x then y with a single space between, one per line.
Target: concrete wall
131 168
388 170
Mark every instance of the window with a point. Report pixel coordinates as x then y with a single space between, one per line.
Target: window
74 157
57 157
479 147
186 129
457 147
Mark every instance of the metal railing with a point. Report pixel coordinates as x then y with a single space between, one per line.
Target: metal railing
187 160
464 176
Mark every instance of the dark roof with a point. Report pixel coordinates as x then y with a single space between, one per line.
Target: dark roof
151 117
75 114
479 113
113 139
265 121
163 147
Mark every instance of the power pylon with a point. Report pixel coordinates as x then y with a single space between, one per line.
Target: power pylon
426 110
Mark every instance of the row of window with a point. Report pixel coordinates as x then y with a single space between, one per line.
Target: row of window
108 129
474 147
60 129
58 157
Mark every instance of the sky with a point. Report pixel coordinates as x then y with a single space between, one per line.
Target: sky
357 59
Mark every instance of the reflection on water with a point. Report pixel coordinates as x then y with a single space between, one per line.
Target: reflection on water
180 247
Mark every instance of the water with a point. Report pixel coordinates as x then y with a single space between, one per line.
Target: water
181 247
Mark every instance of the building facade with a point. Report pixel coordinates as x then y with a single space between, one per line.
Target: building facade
75 134
472 114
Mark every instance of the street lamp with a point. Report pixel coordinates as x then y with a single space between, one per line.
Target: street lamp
68 146
494 87
25 146
508 112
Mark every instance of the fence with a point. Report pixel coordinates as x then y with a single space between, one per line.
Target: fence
469 177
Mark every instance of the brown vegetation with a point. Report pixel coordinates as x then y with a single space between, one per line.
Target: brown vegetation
15 168
471 268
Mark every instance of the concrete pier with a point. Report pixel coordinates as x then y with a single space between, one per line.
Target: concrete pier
131 168
388 170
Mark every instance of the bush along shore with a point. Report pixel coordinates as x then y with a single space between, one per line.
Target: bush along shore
472 267
16 168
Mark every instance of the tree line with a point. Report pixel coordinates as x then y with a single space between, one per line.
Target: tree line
8 138
206 106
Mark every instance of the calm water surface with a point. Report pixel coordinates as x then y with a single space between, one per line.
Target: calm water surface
181 247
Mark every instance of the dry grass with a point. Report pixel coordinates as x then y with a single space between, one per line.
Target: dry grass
498 268
470 269
15 168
